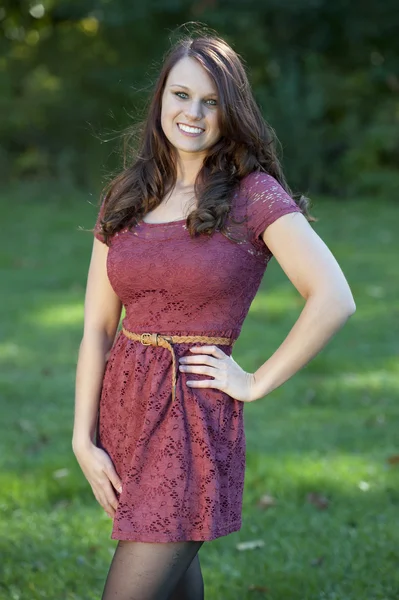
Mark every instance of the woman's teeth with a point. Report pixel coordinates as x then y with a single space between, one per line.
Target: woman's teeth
187 129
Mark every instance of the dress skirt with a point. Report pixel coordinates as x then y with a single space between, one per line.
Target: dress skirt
181 462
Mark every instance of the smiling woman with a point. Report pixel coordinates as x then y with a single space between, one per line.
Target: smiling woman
191 124
204 145
159 417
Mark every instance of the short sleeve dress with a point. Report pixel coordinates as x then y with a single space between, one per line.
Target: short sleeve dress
181 462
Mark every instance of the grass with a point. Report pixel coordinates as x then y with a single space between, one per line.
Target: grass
330 431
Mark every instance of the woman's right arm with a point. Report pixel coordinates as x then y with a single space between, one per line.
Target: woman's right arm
102 311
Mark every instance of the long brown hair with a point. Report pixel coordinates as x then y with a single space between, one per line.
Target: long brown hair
247 143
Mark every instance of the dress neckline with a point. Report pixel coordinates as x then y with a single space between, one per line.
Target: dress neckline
163 223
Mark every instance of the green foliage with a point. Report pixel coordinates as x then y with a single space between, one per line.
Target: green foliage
328 437
75 74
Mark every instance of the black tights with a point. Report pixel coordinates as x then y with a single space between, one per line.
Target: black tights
155 571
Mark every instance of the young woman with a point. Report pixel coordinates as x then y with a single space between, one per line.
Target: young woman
182 240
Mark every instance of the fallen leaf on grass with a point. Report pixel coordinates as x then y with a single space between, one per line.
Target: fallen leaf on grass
76 287
319 501
266 501
375 421
375 291
26 425
38 444
258 588
250 545
38 565
364 486
393 460
310 396
352 524
24 263
60 473
61 504
316 562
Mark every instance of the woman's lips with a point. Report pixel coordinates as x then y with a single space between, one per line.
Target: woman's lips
188 133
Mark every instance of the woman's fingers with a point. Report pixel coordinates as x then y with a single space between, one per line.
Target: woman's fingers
113 477
213 350
201 359
201 370
102 500
110 497
100 472
105 495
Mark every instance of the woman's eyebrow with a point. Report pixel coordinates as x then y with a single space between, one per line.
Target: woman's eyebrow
187 88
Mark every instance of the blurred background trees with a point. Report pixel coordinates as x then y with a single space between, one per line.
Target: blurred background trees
75 73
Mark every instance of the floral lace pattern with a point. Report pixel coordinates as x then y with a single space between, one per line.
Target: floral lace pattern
182 463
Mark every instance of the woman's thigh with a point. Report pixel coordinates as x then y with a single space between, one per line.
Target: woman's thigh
191 583
148 571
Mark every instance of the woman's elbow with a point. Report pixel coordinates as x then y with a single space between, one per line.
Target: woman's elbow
351 308
347 305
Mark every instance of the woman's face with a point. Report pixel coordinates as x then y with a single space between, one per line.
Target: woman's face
190 101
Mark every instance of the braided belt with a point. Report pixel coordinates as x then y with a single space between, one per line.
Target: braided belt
166 341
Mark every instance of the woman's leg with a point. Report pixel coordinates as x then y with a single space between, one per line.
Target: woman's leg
191 584
148 571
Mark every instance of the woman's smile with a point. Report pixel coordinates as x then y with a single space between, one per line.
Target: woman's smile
190 130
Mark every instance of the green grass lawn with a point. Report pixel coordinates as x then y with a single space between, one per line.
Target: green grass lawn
330 433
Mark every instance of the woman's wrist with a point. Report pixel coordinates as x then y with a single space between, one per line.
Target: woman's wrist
80 443
260 387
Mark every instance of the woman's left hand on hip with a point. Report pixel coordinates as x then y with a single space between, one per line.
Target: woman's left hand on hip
227 375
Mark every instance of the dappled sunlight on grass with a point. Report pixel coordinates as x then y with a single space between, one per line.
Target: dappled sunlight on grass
373 380
386 379
10 350
57 315
56 488
276 302
347 473
330 430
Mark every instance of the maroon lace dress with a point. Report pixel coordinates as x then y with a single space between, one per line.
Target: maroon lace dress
181 463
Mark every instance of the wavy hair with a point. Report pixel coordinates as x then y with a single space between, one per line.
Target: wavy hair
247 143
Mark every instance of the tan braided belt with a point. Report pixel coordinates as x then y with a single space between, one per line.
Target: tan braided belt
166 341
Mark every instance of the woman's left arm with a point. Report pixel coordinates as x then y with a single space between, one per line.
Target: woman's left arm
313 270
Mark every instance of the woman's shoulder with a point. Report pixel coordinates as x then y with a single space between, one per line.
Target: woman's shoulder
266 200
257 180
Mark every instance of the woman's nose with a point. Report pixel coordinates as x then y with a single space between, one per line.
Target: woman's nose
194 110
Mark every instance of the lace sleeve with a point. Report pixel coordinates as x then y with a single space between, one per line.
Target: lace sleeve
266 202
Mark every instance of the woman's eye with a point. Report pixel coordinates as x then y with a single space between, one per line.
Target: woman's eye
178 94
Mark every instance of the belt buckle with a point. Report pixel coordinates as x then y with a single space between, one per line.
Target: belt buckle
143 338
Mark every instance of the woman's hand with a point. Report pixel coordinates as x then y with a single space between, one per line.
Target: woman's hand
100 472
228 375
